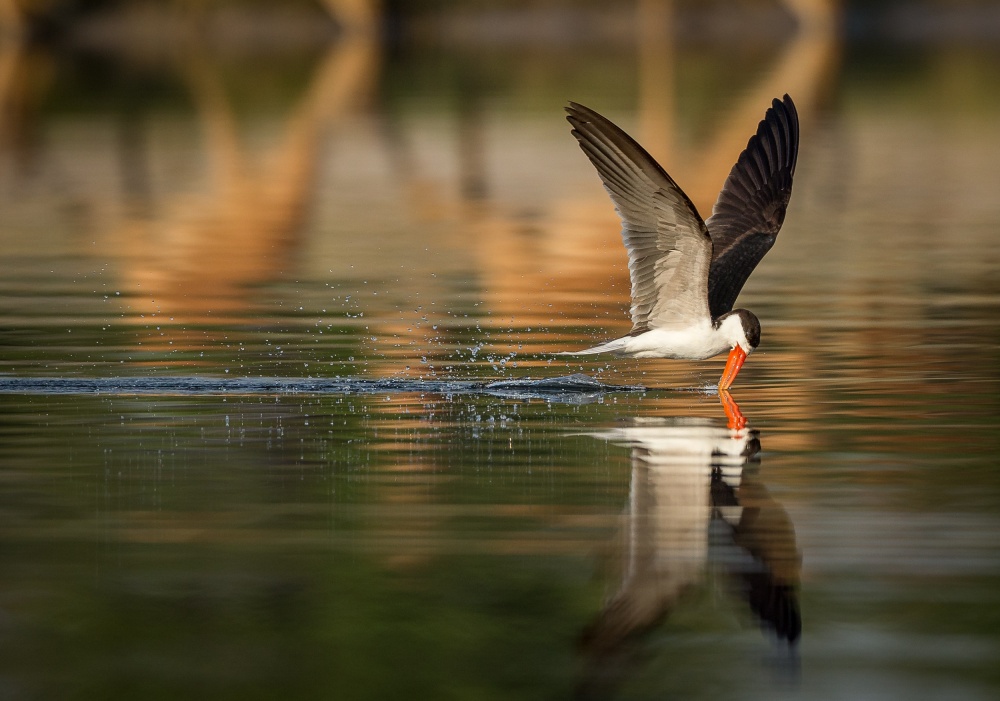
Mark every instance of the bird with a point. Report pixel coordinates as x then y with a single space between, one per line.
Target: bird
686 272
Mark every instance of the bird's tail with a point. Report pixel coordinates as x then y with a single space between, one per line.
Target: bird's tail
614 346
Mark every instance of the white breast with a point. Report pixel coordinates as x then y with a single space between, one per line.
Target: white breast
690 343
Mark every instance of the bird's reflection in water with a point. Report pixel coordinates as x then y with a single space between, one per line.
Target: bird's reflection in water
697 510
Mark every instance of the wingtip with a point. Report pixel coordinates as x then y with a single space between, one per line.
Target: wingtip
783 109
750 210
582 113
573 113
781 121
792 110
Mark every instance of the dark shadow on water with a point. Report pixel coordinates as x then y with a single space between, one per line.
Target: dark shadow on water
568 389
697 511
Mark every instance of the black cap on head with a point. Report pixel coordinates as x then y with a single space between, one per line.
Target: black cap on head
751 327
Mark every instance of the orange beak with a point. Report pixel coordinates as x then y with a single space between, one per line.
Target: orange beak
735 418
736 357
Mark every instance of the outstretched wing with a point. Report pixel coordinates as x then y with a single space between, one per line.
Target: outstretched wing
751 207
668 245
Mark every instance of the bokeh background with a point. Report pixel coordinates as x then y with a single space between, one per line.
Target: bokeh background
179 157
199 193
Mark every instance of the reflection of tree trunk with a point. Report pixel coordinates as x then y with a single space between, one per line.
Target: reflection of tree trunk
10 63
473 186
815 15
215 246
133 159
803 71
345 79
656 77
11 21
25 75
355 15
222 141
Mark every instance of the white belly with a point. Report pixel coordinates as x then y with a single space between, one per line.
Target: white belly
692 343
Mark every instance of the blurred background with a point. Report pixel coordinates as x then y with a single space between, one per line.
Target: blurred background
387 169
299 189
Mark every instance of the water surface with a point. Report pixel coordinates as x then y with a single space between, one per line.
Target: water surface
252 442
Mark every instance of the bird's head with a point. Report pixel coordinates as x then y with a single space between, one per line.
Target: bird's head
742 330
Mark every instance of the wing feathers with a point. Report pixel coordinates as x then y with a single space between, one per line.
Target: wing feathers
658 223
751 207
677 277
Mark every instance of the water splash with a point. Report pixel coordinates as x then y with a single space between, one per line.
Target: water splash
576 388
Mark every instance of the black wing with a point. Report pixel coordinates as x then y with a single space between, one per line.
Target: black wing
768 581
751 207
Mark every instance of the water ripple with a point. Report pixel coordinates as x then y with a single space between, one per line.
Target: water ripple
576 388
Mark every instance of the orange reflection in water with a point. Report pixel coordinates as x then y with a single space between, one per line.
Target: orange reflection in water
200 259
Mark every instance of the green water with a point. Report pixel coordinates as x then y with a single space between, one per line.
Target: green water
420 211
